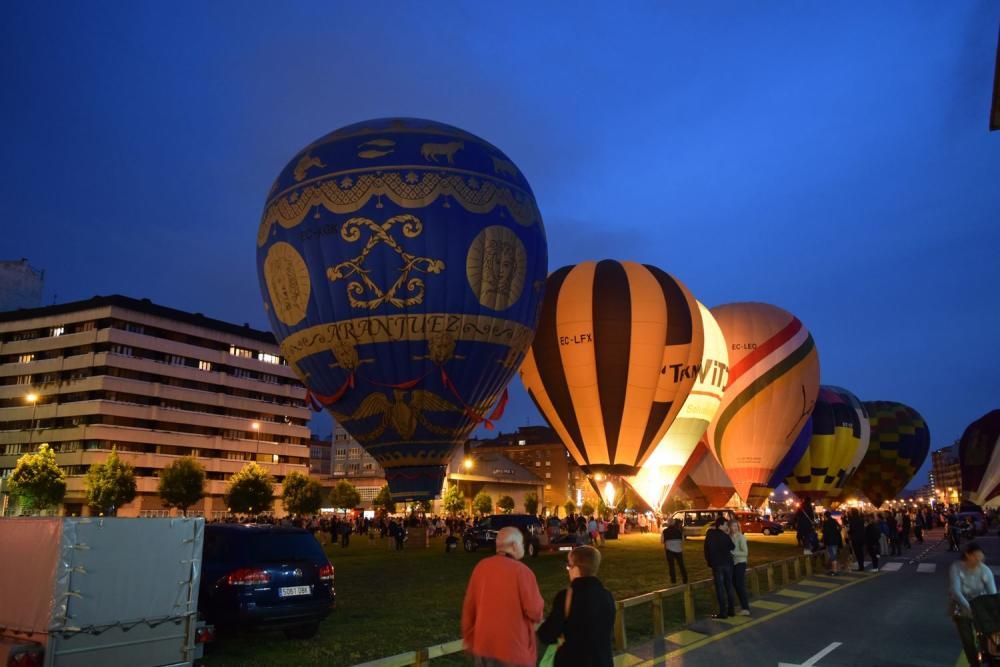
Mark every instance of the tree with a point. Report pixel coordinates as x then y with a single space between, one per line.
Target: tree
531 503
182 484
420 506
482 503
384 500
452 501
675 504
506 504
37 481
570 507
300 494
345 496
587 509
250 490
110 484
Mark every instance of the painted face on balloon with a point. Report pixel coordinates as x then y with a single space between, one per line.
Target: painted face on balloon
499 267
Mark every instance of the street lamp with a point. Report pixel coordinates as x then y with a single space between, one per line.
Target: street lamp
33 399
467 464
256 432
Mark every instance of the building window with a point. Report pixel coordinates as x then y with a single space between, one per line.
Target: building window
270 379
57 331
548 487
23 379
369 467
341 453
355 453
269 358
135 328
548 475
522 443
243 373
175 360
205 365
368 492
86 326
240 352
538 464
123 350
25 358
548 464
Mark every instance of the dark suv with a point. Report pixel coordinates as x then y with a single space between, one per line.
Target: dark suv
260 575
484 533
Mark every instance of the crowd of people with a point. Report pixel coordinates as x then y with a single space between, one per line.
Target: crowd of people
502 613
859 538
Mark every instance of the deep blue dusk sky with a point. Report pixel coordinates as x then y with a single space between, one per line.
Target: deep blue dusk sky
835 163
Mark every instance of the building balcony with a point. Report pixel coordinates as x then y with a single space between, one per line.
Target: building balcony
49 343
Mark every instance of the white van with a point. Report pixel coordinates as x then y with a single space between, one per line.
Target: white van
697 522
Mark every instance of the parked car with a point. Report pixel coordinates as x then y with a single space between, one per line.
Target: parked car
697 522
751 522
484 533
265 576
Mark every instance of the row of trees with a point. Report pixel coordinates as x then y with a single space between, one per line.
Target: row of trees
38 483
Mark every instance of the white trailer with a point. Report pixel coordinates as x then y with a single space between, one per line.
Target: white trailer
99 591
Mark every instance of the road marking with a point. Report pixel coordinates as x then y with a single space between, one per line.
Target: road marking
662 659
627 660
685 637
789 593
890 567
818 584
927 567
767 604
813 660
734 620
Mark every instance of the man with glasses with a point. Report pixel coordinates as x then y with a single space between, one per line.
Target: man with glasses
583 614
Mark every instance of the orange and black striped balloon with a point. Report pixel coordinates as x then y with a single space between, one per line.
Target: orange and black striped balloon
614 356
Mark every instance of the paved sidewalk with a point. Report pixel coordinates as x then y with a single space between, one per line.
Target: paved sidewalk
794 596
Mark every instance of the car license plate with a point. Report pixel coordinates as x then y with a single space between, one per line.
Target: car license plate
291 591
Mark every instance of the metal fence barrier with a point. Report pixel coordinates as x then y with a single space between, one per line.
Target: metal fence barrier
799 564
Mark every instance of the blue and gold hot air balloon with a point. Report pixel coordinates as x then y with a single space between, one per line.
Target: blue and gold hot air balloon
402 264
898 446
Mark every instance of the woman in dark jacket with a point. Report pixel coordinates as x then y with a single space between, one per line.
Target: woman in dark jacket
588 627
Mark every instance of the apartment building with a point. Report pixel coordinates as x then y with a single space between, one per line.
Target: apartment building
154 382
342 457
538 449
946 474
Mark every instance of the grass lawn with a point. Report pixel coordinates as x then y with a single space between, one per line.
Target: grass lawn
391 602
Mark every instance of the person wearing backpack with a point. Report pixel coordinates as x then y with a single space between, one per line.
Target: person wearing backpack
583 615
833 540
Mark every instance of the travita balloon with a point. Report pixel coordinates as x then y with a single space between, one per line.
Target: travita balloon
898 446
979 459
773 383
613 360
402 264
660 470
840 435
